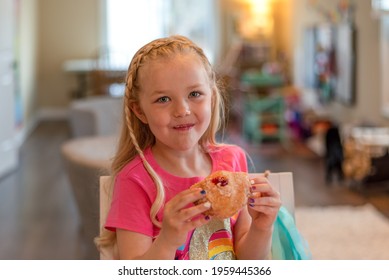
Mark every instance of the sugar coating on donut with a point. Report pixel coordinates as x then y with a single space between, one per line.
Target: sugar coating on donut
226 191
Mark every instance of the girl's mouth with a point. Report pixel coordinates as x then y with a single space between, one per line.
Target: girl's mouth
186 126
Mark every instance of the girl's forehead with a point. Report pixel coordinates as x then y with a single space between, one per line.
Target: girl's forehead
173 74
161 66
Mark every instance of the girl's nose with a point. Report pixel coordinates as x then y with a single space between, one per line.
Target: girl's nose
181 110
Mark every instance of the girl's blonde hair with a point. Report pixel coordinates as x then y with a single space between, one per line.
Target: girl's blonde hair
136 136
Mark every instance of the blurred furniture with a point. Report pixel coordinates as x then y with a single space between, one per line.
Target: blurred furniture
282 182
95 116
94 78
374 139
243 55
264 118
85 160
262 81
106 82
253 68
374 143
356 163
263 104
80 69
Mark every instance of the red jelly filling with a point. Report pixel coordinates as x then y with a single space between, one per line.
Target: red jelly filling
221 181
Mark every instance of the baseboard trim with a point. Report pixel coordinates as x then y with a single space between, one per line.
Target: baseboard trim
23 133
46 114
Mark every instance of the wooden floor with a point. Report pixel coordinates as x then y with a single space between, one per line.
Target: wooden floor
38 215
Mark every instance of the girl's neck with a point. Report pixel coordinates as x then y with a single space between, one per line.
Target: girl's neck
190 163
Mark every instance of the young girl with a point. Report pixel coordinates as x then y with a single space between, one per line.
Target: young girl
172 111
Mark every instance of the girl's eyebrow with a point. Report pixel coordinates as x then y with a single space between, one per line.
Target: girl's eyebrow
160 91
157 92
191 87
195 86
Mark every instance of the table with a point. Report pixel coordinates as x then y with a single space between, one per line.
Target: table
93 152
82 68
374 139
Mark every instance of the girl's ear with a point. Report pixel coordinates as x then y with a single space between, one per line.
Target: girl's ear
138 112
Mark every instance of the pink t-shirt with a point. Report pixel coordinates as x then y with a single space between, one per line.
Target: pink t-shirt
134 193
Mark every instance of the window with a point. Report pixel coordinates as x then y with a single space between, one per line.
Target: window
128 25
197 20
380 6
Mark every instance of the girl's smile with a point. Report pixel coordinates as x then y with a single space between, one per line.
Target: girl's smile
184 127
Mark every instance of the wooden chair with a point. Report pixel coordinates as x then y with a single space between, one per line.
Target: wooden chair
105 202
282 182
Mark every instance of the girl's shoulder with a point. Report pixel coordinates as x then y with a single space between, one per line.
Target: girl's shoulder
228 157
135 166
134 176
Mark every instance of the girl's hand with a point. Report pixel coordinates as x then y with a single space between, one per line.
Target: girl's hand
263 204
179 219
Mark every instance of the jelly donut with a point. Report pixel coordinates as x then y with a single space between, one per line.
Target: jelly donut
226 191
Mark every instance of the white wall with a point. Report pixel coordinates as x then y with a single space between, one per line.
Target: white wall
8 147
368 97
68 29
28 48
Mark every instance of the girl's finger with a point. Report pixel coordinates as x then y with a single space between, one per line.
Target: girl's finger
265 189
265 209
192 212
184 198
194 223
259 180
265 201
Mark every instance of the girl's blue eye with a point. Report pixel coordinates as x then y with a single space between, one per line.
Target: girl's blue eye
163 99
194 94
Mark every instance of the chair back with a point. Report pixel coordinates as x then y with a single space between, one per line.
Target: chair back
283 183
105 202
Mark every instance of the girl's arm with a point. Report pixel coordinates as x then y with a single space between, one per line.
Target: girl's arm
133 245
254 227
178 220
251 243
